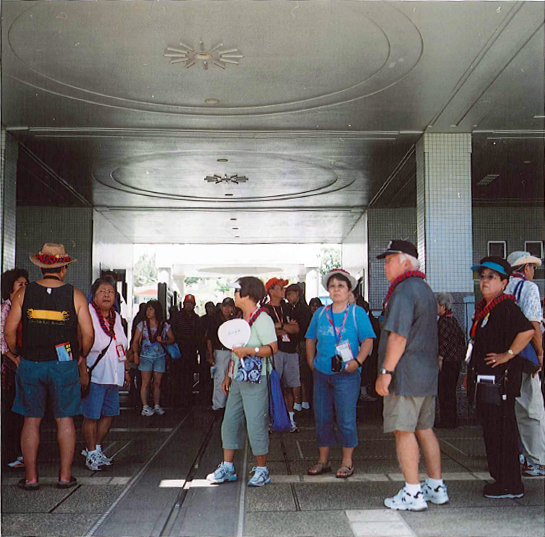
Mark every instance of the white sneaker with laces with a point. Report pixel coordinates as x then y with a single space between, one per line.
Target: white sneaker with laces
157 409
223 473
104 459
92 461
260 478
294 428
438 496
403 501
147 411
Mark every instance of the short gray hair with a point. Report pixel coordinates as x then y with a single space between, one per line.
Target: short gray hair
415 264
444 299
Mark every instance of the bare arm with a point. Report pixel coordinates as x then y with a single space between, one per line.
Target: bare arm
264 351
136 341
13 320
292 327
310 345
394 351
170 337
537 342
522 339
85 323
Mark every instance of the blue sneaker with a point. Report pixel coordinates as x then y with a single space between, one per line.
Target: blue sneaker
222 473
260 477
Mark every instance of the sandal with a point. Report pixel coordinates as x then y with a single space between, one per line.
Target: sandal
344 471
22 484
319 468
67 484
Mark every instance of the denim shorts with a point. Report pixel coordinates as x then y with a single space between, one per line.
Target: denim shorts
103 400
39 382
153 363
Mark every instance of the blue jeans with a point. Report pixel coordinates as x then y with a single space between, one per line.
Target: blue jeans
336 397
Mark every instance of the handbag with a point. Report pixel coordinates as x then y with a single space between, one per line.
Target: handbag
249 369
86 389
173 351
278 413
491 393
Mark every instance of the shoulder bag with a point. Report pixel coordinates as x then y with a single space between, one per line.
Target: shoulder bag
85 390
530 363
278 412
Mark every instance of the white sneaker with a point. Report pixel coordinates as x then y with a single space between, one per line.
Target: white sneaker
92 461
305 405
104 459
222 473
260 478
438 496
297 407
147 411
157 409
403 501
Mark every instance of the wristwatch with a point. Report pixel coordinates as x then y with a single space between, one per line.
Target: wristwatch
256 350
386 372
510 352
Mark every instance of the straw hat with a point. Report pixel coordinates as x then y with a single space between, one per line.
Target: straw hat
52 256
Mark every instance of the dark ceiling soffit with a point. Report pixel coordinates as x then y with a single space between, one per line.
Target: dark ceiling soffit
356 210
54 175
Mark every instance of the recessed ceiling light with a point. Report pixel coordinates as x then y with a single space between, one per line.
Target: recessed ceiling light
527 162
234 228
212 101
233 219
223 160
237 236
229 194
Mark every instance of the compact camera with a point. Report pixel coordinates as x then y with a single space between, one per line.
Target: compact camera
336 363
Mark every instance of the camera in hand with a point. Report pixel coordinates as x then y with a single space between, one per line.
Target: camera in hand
336 363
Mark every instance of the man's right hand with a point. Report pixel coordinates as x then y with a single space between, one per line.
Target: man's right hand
84 377
225 384
382 385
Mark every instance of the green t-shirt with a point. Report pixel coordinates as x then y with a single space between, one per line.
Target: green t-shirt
263 333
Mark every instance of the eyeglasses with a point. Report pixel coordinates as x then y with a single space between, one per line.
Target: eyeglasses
488 276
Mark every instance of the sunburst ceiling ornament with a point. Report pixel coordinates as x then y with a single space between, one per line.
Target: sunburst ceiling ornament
236 179
214 56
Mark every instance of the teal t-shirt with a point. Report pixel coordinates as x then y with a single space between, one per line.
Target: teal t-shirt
262 333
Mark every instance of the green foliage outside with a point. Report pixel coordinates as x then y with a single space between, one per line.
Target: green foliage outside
145 271
330 258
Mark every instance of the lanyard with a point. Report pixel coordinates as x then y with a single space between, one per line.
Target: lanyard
276 313
336 331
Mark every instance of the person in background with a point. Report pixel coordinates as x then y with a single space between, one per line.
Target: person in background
56 320
499 332
248 402
529 407
112 372
186 327
206 382
149 352
136 376
338 341
300 311
452 350
370 366
12 423
220 355
408 376
315 304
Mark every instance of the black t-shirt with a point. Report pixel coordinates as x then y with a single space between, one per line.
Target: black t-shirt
282 314
302 314
495 335
212 332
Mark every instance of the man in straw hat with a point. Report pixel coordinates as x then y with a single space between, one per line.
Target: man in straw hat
53 359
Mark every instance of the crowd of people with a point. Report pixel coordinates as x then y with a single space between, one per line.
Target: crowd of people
71 354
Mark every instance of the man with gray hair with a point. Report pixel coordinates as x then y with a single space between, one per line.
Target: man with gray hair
529 406
407 378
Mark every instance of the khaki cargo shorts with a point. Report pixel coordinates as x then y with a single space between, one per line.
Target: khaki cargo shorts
405 413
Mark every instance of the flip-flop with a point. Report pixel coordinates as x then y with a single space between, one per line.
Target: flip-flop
344 471
319 468
67 484
22 484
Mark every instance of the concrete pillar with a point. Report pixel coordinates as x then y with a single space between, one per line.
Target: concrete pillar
444 219
8 193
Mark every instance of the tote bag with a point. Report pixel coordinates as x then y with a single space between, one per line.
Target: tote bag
278 413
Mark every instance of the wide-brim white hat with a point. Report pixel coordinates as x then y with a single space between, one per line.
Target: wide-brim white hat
340 272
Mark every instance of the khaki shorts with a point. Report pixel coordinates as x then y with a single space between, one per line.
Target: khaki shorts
405 413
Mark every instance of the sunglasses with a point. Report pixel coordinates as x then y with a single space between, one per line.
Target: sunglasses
488 277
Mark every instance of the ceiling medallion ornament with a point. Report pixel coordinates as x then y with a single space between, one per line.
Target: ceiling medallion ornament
214 56
217 179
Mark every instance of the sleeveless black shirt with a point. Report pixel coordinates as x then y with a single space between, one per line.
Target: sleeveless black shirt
49 319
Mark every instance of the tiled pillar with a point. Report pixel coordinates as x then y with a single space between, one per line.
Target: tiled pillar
8 192
444 224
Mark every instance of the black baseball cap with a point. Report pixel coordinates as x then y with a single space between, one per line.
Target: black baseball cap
399 247
294 287
228 301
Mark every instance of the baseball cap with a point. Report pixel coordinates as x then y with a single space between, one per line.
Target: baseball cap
495 263
399 247
275 281
190 298
516 259
294 287
228 301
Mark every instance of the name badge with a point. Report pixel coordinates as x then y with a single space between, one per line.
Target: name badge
344 351
485 321
121 356
64 352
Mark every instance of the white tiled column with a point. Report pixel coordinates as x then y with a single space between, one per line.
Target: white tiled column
444 226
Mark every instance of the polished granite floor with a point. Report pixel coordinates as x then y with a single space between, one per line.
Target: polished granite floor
157 487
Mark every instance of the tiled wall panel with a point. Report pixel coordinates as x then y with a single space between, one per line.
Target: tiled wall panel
72 227
354 248
8 193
